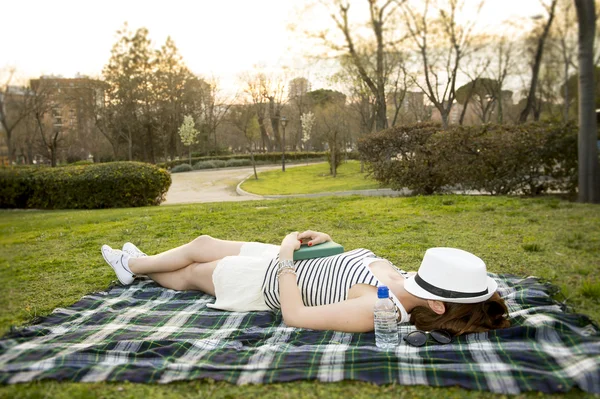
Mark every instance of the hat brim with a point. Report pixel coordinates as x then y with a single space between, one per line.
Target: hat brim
415 289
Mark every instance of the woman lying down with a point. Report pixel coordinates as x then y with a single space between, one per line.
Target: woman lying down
451 290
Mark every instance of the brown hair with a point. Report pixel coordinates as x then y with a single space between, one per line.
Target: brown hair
463 318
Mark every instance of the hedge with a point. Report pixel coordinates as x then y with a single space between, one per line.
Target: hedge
110 185
260 157
529 159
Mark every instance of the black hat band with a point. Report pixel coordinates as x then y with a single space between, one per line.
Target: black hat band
446 293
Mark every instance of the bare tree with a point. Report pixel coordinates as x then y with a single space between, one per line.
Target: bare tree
216 106
589 173
243 117
253 87
440 41
564 40
502 65
47 114
537 61
477 66
374 76
331 123
14 108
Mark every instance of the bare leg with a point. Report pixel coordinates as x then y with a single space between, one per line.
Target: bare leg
202 249
197 276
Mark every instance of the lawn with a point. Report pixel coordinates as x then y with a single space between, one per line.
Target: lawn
50 259
310 179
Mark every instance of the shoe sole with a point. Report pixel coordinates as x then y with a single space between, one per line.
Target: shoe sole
110 264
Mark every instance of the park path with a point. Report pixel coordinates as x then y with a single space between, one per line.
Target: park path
219 185
210 185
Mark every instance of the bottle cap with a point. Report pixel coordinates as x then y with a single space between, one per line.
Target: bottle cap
383 292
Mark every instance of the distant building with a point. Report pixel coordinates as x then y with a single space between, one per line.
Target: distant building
71 105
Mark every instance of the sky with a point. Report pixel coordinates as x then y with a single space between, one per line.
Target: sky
221 39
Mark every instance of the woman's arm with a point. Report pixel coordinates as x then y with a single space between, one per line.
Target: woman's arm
353 315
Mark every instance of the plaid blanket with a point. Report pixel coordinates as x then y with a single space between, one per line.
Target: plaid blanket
145 333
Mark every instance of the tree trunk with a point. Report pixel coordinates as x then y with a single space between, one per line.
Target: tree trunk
266 143
333 160
444 114
253 162
536 65
130 147
9 146
52 154
589 176
381 112
150 138
566 104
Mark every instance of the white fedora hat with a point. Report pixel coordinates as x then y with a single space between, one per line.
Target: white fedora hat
451 275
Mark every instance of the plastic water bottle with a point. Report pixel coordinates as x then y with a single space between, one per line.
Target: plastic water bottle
386 325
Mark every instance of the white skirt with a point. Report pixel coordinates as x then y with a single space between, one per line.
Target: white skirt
238 279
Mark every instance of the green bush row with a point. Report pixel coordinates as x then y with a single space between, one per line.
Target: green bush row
261 157
499 159
109 185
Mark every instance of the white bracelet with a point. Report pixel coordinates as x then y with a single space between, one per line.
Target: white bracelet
286 270
286 263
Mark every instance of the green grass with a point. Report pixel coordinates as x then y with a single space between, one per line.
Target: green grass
310 179
50 259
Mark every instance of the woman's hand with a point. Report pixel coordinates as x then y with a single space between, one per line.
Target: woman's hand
314 237
291 242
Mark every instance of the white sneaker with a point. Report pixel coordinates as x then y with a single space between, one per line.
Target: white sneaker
132 250
115 257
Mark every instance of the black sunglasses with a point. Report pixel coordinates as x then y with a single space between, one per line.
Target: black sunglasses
419 337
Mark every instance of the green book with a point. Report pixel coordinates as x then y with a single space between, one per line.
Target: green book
328 248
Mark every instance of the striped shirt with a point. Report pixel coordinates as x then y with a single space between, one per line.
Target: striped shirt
324 281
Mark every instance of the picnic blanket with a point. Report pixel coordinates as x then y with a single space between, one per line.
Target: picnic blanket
146 333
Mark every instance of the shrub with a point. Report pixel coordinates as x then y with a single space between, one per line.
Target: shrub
407 157
215 163
184 167
219 163
204 165
238 162
112 185
499 159
81 162
272 157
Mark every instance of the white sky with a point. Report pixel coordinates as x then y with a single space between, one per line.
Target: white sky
220 38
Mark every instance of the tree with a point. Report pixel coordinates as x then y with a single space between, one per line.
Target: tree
14 108
589 175
307 120
502 64
188 134
478 89
172 78
254 84
440 41
372 70
331 122
243 117
481 92
215 109
298 105
48 119
124 75
537 61
565 41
